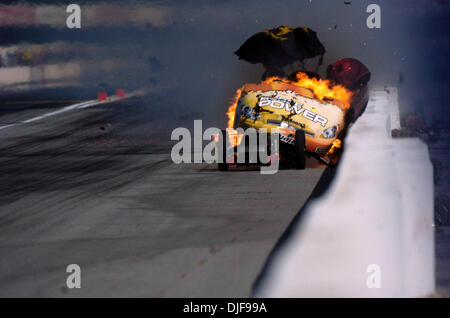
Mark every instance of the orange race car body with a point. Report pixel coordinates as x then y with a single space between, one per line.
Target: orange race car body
291 109
288 107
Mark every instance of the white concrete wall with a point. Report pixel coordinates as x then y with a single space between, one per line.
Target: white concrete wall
394 107
378 210
48 72
62 71
14 75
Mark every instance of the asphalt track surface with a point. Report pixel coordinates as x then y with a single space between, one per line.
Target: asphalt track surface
88 187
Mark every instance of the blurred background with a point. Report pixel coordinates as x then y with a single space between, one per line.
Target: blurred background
186 48
182 51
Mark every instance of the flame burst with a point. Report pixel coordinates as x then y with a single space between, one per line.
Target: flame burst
320 87
325 88
232 108
336 145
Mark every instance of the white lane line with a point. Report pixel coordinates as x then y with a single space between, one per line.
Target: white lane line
64 109
6 126
82 105
59 111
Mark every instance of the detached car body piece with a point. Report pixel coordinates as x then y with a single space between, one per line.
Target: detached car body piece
306 125
353 75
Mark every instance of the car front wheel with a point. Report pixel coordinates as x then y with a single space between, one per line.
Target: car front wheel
300 159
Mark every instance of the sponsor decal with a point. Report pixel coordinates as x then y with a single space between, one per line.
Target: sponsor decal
288 140
290 106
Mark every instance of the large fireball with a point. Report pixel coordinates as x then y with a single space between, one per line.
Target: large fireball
320 87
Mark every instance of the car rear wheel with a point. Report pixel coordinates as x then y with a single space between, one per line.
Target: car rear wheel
300 159
223 165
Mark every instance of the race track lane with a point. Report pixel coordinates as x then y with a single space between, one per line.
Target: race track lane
76 188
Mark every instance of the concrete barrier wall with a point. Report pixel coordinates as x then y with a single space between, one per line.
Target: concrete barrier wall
394 109
15 75
10 76
49 72
373 225
92 15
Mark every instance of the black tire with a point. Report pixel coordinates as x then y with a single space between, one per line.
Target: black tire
349 117
223 165
300 159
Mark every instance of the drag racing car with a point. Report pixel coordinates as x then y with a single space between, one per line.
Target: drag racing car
307 125
310 114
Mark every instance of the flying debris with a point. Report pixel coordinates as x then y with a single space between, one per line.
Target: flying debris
281 46
347 2
104 127
333 27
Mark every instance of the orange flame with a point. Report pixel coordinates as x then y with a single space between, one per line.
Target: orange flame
336 145
232 108
321 88
234 137
325 88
